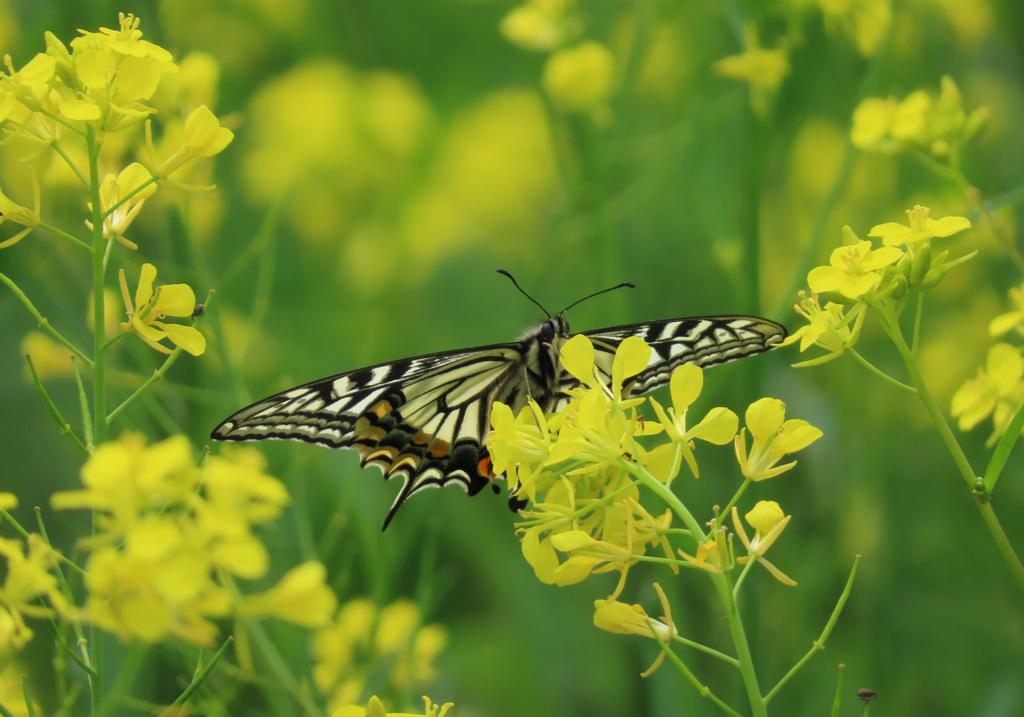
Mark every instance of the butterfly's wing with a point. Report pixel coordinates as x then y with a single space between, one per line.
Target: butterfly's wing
425 419
702 340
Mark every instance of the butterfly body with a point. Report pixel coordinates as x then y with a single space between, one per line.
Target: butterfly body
427 418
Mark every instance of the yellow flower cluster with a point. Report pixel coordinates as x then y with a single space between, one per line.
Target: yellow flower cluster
364 637
998 389
28 581
578 76
582 469
939 125
763 69
171 536
860 275
375 708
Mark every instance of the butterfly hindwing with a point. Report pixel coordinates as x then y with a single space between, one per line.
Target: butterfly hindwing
425 419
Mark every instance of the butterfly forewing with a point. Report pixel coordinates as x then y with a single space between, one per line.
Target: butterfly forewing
704 341
427 418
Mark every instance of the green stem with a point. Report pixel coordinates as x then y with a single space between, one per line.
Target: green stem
65 427
64 235
723 587
99 378
44 323
198 680
279 667
959 458
880 373
819 644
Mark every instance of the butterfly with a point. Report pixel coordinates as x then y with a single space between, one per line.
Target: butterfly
427 418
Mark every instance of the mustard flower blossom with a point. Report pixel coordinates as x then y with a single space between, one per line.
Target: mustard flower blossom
375 708
519 445
772 438
768 521
714 554
540 25
11 211
204 137
364 638
886 125
121 198
717 427
301 597
618 617
921 228
145 317
1011 320
853 269
29 577
762 69
997 388
830 328
581 78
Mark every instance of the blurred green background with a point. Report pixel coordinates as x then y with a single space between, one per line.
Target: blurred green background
390 155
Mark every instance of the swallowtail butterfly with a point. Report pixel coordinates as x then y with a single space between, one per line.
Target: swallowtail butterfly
426 419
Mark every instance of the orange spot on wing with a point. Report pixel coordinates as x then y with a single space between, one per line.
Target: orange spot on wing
485 467
381 409
421 438
439 449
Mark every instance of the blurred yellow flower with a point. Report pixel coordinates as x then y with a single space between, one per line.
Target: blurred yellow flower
375 708
301 597
144 318
997 388
50 359
28 579
853 269
866 21
541 25
581 78
764 70
11 211
363 639
1012 319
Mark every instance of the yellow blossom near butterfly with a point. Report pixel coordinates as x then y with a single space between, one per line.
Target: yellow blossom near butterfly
151 306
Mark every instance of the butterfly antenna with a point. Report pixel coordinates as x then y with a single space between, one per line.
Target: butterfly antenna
598 293
513 279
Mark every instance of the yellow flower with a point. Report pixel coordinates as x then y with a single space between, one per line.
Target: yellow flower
718 426
375 708
124 479
204 137
540 25
152 306
1010 320
519 445
768 521
921 228
300 597
50 359
830 328
997 388
8 501
887 125
28 578
11 211
764 70
121 198
618 617
581 78
866 20
362 639
854 269
772 438
714 554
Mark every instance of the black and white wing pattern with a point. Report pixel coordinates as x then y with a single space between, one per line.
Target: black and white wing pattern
426 419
